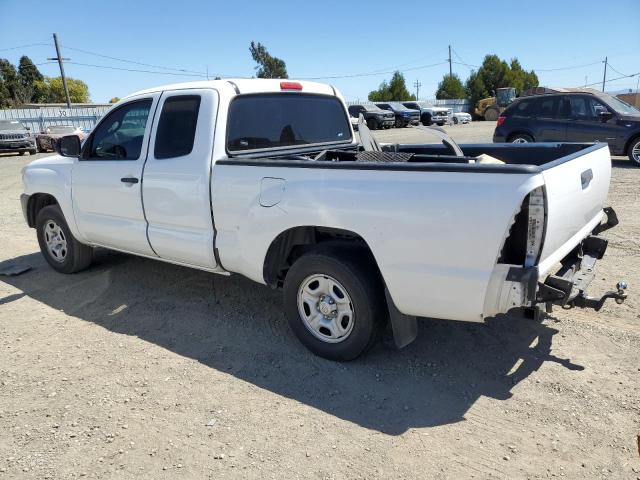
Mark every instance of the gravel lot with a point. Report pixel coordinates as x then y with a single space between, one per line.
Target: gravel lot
140 369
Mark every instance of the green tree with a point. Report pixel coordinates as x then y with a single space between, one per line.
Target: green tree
268 66
52 90
450 87
10 89
395 89
495 73
114 100
28 75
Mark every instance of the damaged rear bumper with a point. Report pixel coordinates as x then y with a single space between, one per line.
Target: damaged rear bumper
516 287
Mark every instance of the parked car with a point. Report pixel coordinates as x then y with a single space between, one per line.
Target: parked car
430 114
461 117
263 178
404 116
46 140
15 137
373 115
588 116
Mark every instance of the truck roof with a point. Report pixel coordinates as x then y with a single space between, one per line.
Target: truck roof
248 85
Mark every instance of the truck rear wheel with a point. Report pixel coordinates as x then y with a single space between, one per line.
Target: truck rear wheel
58 246
335 304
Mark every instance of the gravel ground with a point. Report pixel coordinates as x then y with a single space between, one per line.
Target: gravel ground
140 369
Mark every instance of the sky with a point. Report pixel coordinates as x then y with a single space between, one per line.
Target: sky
357 43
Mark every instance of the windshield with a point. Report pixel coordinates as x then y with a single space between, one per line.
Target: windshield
372 108
61 129
620 106
398 106
277 120
11 125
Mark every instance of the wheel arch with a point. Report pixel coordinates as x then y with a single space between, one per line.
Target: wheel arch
291 244
632 138
37 202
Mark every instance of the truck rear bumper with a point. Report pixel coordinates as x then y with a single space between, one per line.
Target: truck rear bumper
516 287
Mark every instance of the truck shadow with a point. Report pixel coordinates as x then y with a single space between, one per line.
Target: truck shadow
236 326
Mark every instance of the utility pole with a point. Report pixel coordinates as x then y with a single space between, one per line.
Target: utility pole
417 84
604 79
450 68
60 60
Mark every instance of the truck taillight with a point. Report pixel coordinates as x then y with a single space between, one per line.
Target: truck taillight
290 86
501 120
535 226
526 234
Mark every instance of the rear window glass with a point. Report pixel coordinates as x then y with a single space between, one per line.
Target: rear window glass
177 126
285 119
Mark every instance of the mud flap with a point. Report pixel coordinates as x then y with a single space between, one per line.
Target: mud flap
404 327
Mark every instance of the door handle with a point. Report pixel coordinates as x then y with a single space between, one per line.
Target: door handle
129 180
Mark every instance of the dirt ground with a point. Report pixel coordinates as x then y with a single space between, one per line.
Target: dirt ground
140 369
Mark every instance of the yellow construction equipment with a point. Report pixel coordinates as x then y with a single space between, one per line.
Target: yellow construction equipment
490 108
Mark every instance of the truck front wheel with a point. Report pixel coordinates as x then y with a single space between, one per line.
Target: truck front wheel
58 246
335 304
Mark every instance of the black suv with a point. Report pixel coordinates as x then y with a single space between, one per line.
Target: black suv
573 117
404 116
373 115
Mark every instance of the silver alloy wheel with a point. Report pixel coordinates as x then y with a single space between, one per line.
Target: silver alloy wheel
325 308
56 241
635 152
519 140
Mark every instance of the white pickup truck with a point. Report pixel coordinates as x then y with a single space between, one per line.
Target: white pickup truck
264 178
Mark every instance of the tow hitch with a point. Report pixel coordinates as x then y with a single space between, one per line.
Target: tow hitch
568 286
585 301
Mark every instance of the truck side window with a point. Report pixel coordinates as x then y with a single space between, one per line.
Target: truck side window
120 135
177 126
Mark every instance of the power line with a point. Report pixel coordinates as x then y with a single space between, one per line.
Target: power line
25 46
372 73
135 62
613 79
617 71
573 67
137 70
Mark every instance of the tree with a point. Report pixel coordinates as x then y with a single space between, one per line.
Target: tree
10 89
52 90
114 100
268 66
450 87
28 75
495 73
395 89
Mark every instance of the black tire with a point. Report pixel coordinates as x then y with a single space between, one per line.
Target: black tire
33 151
491 114
426 120
372 123
455 120
399 123
22 152
634 146
77 256
358 276
520 138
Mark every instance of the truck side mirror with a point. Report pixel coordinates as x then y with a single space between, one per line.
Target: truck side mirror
605 115
68 146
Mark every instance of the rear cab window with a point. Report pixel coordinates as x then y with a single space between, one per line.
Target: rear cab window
177 126
284 120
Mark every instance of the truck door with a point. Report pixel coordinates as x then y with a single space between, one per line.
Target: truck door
177 175
106 179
